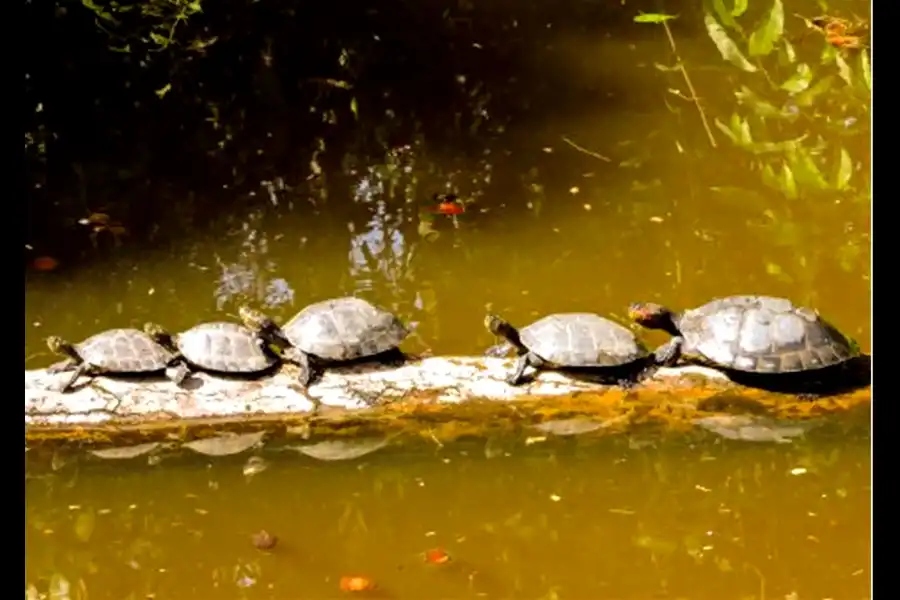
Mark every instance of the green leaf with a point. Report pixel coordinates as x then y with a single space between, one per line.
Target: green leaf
769 178
764 38
786 54
806 172
726 130
786 182
727 48
740 7
725 16
844 71
744 133
799 81
354 108
654 18
807 97
759 106
161 40
865 68
844 171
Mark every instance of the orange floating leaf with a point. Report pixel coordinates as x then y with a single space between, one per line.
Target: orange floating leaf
356 584
437 556
45 263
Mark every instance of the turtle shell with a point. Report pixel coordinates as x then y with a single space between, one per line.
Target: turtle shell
224 347
124 351
762 334
582 340
345 329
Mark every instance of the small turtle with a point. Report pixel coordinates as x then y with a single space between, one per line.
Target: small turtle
571 340
750 334
219 347
329 332
116 351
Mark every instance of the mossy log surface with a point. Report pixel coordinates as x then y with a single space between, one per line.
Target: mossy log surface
442 398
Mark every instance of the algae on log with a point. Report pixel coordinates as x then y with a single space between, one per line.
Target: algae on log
443 396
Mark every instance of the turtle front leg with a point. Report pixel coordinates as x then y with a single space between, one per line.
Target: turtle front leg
62 366
668 354
178 371
500 350
81 369
529 359
307 370
394 357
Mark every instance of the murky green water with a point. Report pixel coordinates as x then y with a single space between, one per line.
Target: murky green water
590 182
661 216
624 517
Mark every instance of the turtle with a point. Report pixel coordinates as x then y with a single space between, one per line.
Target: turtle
220 347
748 334
330 332
571 340
115 351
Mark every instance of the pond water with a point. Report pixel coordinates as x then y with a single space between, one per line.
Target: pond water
621 517
589 181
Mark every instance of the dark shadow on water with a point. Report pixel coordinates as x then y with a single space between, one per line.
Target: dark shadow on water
840 379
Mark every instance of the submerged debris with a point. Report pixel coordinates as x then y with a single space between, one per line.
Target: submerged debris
263 540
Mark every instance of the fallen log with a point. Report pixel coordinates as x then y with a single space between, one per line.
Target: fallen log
442 398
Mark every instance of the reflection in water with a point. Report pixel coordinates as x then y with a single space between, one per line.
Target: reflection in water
552 228
567 518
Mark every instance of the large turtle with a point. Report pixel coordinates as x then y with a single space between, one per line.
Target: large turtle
572 340
220 347
332 331
115 351
750 334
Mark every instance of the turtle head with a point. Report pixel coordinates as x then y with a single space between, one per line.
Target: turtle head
58 345
499 326
254 319
158 333
652 316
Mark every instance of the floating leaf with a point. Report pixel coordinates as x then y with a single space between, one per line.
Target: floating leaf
807 97
786 182
844 171
763 39
727 48
342 449
654 18
569 426
125 452
225 445
799 81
